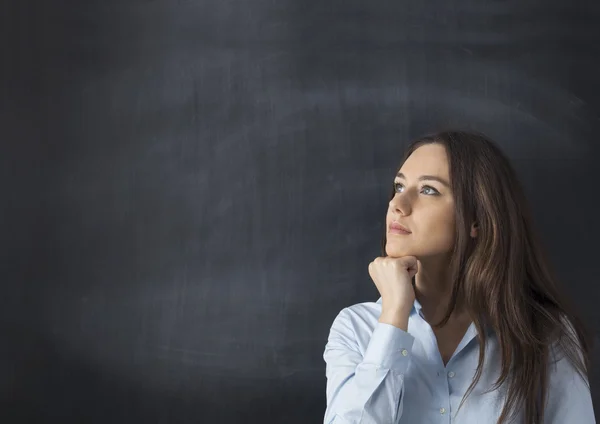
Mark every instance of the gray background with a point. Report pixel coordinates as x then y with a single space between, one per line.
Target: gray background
193 190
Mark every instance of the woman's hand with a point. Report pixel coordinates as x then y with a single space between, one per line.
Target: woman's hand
393 278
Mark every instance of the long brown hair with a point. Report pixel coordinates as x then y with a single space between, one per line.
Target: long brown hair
502 277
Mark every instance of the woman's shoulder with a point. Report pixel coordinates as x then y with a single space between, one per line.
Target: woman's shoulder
358 319
362 311
354 327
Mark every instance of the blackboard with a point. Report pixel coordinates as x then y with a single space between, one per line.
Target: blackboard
193 190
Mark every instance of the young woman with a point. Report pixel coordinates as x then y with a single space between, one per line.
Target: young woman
471 326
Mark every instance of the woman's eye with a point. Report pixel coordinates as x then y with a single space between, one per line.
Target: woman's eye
427 189
432 190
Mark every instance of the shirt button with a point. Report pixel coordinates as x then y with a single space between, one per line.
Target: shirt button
442 411
451 374
404 352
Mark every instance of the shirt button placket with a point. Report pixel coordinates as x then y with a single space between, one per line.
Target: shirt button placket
450 374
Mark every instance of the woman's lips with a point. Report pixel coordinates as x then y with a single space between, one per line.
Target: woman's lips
396 228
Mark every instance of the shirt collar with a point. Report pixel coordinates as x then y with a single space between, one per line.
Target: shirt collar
418 309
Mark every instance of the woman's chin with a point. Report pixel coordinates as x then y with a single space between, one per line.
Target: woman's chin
395 252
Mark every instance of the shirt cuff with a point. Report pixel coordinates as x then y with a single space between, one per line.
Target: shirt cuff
389 347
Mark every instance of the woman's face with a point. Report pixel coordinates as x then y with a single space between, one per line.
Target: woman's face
423 203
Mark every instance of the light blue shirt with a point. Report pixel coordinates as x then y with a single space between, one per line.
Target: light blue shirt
380 374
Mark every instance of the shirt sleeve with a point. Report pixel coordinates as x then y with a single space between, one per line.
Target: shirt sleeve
569 396
365 389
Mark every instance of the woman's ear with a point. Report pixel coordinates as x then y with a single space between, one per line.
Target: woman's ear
474 230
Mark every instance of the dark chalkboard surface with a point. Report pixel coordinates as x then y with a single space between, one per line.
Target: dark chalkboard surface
192 190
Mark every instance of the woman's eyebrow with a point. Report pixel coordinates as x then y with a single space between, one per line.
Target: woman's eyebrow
426 177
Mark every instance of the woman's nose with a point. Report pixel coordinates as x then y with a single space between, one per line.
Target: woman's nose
400 204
